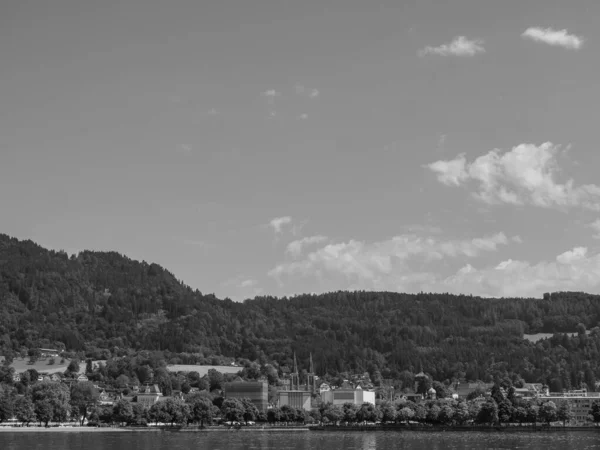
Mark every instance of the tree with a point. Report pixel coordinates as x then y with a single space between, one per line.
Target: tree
73 367
84 396
405 414
215 379
367 412
122 411
441 391
446 414
232 410
250 410
333 413
24 411
548 412
433 413
488 412
564 413
44 411
139 414
7 401
274 415
388 412
201 409
461 413
505 411
520 414
51 401
595 411
349 410
177 410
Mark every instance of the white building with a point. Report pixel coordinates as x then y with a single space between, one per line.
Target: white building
357 396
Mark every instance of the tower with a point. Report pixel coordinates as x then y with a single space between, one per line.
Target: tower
310 380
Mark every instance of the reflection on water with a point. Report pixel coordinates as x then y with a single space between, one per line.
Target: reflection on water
239 440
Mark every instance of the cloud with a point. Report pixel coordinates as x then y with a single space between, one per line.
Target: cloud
279 222
186 148
378 264
524 175
595 225
248 283
303 116
295 248
271 93
559 38
213 112
573 270
303 90
460 46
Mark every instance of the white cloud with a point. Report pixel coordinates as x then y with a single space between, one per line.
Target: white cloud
595 225
271 93
314 93
571 270
303 90
303 116
295 248
279 222
560 38
299 89
381 263
248 283
213 112
571 256
460 46
195 243
524 175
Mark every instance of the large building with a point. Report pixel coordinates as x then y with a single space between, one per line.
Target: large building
579 401
296 399
149 395
256 391
357 396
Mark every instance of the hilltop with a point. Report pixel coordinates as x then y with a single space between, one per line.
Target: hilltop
102 304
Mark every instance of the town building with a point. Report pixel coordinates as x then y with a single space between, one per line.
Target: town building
580 402
149 395
255 391
295 399
340 396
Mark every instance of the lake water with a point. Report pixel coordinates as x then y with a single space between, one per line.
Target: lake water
236 440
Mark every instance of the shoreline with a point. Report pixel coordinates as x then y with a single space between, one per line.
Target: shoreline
84 429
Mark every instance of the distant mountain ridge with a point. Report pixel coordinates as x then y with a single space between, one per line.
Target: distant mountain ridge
95 302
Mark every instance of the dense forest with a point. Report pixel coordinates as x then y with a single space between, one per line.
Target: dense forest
103 304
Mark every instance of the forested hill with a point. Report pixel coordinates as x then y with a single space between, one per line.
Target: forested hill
102 302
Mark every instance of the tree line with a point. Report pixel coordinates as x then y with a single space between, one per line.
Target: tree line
105 306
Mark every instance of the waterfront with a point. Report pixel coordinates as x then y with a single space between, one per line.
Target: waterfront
232 440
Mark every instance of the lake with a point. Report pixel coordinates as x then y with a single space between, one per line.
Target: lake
242 440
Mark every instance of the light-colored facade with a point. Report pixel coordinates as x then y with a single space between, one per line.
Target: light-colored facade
149 395
341 396
295 399
579 401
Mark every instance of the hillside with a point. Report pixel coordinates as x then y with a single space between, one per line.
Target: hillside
102 303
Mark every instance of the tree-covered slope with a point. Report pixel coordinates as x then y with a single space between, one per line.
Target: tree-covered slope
104 300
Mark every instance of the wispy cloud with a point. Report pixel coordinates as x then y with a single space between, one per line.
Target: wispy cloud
278 223
303 116
213 112
572 270
295 248
303 90
380 262
595 225
460 46
524 175
559 38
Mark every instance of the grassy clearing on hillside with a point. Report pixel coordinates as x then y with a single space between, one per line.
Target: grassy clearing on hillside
202 370
41 365
539 336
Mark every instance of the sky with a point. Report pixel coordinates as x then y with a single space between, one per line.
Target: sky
275 147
